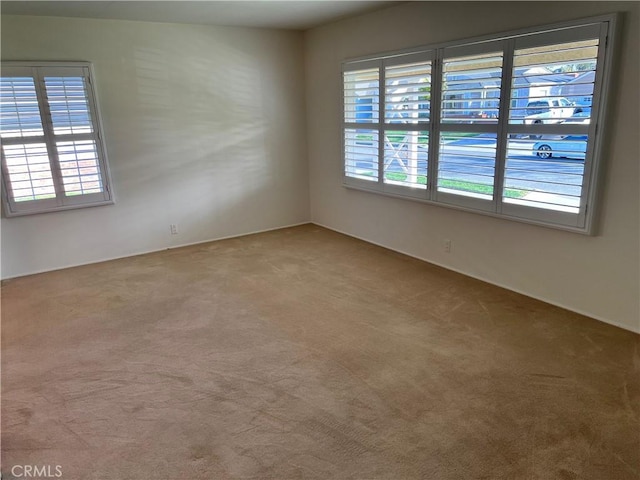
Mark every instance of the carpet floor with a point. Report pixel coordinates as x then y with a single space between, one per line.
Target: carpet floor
306 354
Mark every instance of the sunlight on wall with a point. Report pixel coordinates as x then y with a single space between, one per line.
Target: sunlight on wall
204 129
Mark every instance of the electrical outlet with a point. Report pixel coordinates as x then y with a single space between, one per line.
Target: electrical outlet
447 246
174 229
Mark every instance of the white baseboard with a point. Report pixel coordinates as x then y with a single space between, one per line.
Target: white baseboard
477 277
144 252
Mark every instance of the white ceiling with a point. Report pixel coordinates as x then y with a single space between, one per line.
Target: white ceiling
289 14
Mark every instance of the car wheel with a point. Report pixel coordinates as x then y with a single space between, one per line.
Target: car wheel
544 151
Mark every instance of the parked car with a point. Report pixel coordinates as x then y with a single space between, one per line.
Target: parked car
571 146
579 117
548 110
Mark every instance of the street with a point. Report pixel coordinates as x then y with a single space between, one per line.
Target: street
472 160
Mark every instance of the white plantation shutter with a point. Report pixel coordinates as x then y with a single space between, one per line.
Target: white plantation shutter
555 69
387 122
29 171
407 91
509 126
20 114
361 101
68 104
52 153
470 108
550 72
405 159
361 95
26 162
361 154
407 115
79 167
471 86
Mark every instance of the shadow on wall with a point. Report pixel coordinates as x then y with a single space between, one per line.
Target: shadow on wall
201 110
200 130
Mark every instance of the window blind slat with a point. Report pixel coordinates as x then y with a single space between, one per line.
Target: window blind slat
361 159
407 93
19 110
29 171
471 94
67 98
361 95
79 167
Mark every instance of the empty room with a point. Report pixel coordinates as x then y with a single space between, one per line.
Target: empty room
320 240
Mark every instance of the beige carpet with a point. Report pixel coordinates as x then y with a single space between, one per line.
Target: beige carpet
303 353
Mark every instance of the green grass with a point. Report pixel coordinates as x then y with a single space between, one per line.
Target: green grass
366 138
36 197
395 136
458 185
53 195
401 177
449 135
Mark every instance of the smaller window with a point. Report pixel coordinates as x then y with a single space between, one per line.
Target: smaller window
53 157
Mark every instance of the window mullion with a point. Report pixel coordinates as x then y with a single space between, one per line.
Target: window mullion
503 120
6 184
434 132
49 136
23 140
382 98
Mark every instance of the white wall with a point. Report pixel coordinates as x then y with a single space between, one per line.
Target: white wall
204 126
598 275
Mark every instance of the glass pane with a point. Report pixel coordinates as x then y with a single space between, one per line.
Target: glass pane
554 83
546 173
19 111
79 167
29 171
405 158
362 96
361 154
408 93
467 164
471 88
67 97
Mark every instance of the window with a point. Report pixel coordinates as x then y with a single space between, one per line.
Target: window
52 152
509 126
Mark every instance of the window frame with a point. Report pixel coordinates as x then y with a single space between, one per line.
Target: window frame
37 70
584 221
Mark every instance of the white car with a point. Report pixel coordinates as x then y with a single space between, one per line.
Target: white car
549 110
581 118
571 146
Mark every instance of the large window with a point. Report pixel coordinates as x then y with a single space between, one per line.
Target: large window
52 152
509 126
